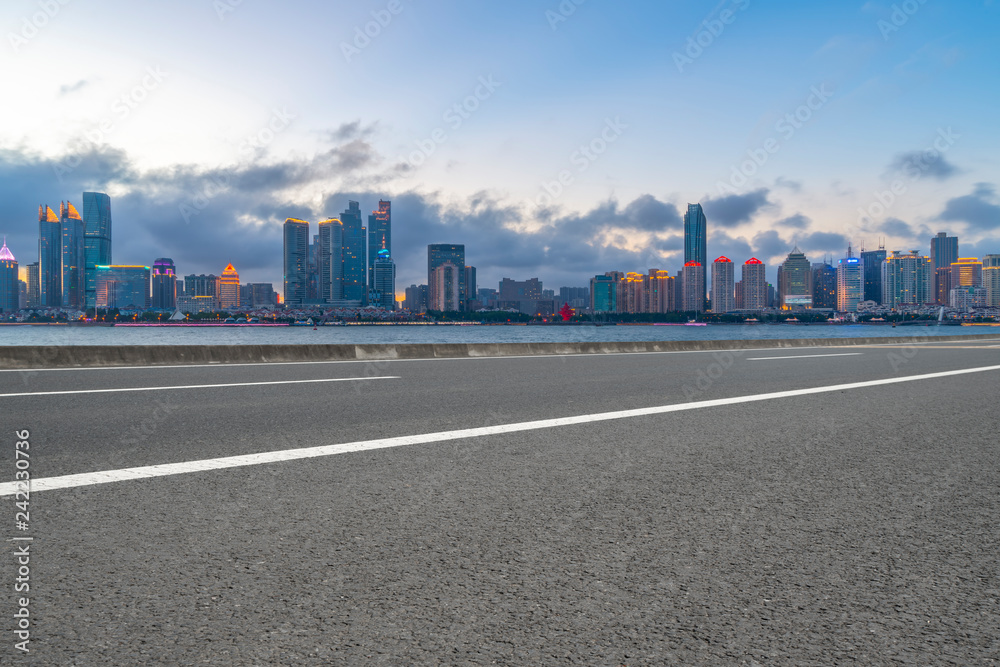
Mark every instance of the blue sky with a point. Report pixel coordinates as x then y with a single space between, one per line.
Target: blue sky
211 121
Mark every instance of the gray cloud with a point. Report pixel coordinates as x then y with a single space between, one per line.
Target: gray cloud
923 164
72 88
797 221
734 210
979 210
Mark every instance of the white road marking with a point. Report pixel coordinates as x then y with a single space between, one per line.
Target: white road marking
808 356
193 386
164 470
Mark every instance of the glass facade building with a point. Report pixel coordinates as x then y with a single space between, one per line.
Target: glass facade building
440 253
10 287
164 279
695 244
871 261
97 240
330 261
296 261
355 257
379 235
73 257
123 286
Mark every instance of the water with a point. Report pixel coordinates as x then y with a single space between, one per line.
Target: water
178 335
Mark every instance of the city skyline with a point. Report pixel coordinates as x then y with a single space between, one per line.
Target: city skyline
556 170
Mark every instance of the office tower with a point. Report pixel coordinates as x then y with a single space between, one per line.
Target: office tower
991 280
97 240
694 287
385 280
659 292
123 286
416 299
723 285
695 243
258 295
825 286
850 283
164 279
296 262
967 272
603 294
355 257
229 288
73 257
22 297
49 258
906 280
470 285
202 286
444 286
379 235
871 261
438 254
944 251
942 285
34 286
754 285
10 285
795 281
330 261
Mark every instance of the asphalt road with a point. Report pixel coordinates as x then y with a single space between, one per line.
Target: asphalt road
853 526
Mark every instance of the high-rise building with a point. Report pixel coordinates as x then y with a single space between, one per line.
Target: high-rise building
604 294
385 281
445 292
164 278
850 283
825 286
470 285
906 280
73 257
659 292
695 244
967 272
330 261
632 293
296 261
9 283
991 280
34 286
312 285
871 261
123 286
942 285
416 299
379 235
97 240
944 251
440 253
355 257
795 281
694 287
754 282
723 285
229 288
49 258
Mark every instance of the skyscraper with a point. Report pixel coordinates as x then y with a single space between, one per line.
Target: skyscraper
659 292
123 286
164 279
97 240
470 285
695 243
991 280
944 251
74 277
9 283
296 261
871 261
330 261
438 254
385 280
444 288
723 286
379 235
694 287
754 285
942 285
850 283
355 258
966 272
34 286
825 286
49 258
795 281
603 294
906 280
229 288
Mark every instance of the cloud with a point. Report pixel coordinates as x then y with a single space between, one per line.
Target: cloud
797 221
734 210
923 164
788 184
68 89
978 210
897 228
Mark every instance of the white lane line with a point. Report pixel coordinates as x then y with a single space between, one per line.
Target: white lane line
164 470
808 356
194 386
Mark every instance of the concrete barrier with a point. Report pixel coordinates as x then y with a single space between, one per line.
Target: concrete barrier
28 357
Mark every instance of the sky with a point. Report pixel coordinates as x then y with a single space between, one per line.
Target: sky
556 139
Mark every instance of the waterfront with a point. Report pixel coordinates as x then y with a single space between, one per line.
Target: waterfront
441 334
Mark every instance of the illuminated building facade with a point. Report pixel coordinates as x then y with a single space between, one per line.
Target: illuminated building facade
723 285
795 281
296 261
34 286
49 258
229 288
164 278
825 286
906 280
385 281
441 253
123 286
694 287
991 280
355 257
695 246
97 240
659 292
850 283
10 285
942 285
330 260
967 272
379 235
73 257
